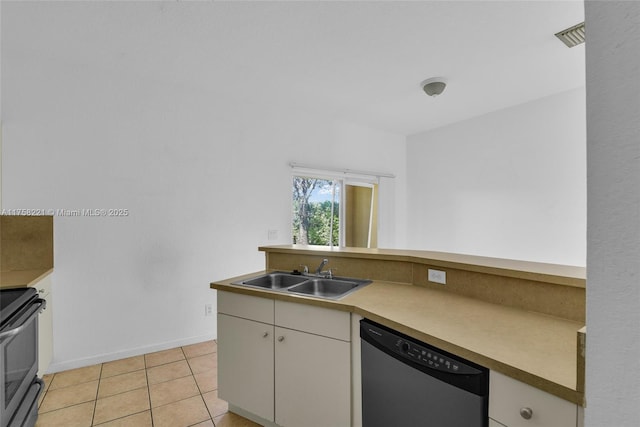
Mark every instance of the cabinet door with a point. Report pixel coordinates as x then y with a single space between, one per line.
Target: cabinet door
312 380
245 364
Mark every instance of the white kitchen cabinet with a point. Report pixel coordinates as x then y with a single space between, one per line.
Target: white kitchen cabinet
245 352
305 381
245 361
313 380
313 353
580 416
45 325
512 401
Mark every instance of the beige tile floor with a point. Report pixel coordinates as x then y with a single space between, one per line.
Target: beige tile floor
171 388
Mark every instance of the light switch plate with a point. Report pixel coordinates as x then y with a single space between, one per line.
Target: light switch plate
437 276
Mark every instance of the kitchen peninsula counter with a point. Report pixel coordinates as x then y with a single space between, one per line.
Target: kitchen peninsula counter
539 349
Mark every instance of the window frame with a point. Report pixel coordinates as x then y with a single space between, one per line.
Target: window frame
343 178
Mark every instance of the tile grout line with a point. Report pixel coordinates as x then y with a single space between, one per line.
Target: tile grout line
95 402
100 378
146 377
216 387
198 387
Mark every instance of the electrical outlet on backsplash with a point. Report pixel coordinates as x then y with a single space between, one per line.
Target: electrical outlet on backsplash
437 276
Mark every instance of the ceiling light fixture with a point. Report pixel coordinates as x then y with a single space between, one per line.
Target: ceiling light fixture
433 86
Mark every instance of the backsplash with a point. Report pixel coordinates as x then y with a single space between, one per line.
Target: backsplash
548 293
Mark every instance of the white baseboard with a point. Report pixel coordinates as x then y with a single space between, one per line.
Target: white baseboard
109 357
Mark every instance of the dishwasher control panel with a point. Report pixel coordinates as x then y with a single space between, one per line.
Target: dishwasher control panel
418 352
431 358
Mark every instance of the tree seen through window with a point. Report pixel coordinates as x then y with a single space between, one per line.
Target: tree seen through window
316 211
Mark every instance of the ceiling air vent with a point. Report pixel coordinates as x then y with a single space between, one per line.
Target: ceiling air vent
572 36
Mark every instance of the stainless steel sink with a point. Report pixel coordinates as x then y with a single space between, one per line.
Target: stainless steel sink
274 281
321 287
327 288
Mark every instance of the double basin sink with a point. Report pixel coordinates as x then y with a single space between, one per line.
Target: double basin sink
315 286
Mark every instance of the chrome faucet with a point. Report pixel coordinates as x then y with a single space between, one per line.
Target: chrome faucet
321 266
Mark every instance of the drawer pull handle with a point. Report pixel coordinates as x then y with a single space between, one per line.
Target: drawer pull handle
280 338
266 334
526 413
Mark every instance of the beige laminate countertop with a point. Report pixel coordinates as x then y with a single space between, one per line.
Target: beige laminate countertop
536 349
22 278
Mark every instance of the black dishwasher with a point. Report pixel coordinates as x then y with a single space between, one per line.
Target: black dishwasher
406 382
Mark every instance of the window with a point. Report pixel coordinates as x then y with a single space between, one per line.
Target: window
316 211
334 211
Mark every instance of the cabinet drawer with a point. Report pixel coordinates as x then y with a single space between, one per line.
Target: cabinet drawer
246 306
507 397
316 320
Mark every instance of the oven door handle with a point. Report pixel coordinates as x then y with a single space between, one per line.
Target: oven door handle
22 322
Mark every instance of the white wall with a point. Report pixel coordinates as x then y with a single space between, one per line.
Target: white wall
203 177
0 116
613 261
509 184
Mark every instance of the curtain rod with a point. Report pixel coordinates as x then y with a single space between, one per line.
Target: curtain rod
344 171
